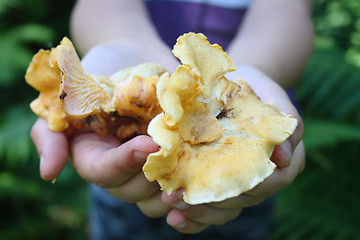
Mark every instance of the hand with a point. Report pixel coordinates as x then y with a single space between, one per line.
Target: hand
105 160
103 59
110 164
289 158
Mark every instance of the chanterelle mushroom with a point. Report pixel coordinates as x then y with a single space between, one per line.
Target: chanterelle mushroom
71 96
43 74
216 136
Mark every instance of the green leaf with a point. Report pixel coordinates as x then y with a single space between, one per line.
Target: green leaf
349 107
329 88
348 84
15 54
15 144
322 133
12 184
6 4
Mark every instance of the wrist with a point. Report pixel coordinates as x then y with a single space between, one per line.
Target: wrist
146 50
120 53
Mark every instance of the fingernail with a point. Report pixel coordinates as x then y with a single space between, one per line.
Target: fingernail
180 193
181 205
182 225
287 149
140 156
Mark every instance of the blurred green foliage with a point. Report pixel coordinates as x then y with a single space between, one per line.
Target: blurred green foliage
321 204
30 207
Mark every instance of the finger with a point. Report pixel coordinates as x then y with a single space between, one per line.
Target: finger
104 162
297 136
209 215
239 202
283 153
202 213
154 207
135 189
183 224
281 177
52 148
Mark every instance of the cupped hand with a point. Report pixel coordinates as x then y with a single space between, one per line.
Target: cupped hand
105 160
111 164
289 158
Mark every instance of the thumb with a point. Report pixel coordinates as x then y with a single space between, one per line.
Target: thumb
282 155
104 162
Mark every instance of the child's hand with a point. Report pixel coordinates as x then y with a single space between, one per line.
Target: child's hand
105 160
117 166
289 158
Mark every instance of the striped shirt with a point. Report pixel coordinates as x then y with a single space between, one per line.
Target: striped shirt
219 20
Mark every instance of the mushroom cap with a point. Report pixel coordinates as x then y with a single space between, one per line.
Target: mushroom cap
81 94
135 92
69 95
43 75
216 136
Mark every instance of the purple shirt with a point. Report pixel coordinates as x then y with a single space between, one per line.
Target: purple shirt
218 23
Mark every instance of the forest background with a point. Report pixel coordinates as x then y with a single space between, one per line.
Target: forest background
323 202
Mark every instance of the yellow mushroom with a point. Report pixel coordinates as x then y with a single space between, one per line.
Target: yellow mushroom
216 136
71 96
43 75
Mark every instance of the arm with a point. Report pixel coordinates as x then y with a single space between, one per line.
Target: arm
94 22
276 37
119 25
